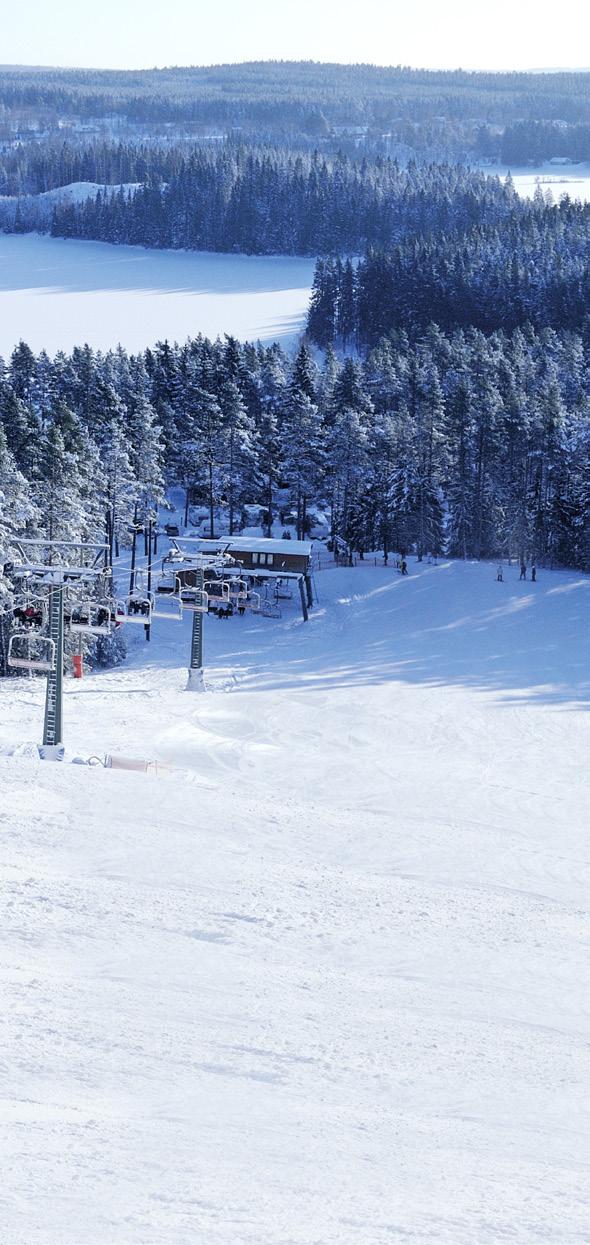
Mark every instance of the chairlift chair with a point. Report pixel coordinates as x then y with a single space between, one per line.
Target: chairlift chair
197 602
217 584
30 611
39 652
91 617
284 590
270 610
134 609
168 583
170 607
238 588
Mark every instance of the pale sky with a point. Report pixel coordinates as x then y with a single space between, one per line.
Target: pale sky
130 34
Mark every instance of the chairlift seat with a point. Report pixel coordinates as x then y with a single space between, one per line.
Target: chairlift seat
42 662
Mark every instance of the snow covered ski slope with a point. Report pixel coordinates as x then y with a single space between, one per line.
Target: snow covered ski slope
322 983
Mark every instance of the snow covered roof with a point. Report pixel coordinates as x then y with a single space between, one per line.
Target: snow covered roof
265 544
248 544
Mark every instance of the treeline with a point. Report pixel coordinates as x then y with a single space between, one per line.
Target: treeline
271 202
33 168
282 92
534 267
470 443
534 142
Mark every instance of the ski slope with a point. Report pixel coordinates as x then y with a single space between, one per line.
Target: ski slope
322 981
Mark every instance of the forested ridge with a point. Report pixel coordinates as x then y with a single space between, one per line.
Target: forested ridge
456 111
477 444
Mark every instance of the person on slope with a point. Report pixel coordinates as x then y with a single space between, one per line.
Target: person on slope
522 570
403 566
533 573
500 575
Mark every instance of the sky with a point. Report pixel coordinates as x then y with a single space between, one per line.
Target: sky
445 34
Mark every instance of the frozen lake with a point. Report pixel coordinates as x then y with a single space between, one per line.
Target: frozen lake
568 179
56 293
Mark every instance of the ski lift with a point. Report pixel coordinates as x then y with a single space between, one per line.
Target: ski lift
196 601
30 611
91 617
284 590
253 601
270 610
271 594
237 588
27 651
171 607
220 588
135 609
168 583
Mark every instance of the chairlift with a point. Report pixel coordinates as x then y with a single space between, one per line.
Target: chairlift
171 607
197 602
237 588
253 601
221 588
284 590
136 608
38 654
270 610
91 617
30 611
168 583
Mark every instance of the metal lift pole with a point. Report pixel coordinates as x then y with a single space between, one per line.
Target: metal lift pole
53 720
195 674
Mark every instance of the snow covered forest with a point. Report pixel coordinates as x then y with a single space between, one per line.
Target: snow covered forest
257 201
531 266
477 444
454 114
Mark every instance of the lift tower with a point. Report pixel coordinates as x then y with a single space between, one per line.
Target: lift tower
52 565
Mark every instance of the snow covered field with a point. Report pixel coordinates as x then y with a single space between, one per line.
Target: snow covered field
323 982
57 293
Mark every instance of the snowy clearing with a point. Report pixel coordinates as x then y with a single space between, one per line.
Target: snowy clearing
324 982
57 293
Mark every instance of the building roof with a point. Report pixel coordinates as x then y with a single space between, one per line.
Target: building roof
247 544
265 544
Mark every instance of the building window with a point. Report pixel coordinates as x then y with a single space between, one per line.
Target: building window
255 557
270 557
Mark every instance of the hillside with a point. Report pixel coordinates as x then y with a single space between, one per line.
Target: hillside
321 980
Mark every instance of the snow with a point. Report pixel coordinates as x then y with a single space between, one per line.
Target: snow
251 544
323 981
571 179
78 192
56 293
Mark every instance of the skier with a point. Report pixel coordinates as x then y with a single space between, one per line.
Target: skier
534 573
500 575
522 570
403 567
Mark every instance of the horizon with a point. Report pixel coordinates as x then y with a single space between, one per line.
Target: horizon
282 60
129 35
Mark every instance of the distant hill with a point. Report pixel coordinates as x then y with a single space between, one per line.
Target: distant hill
423 110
